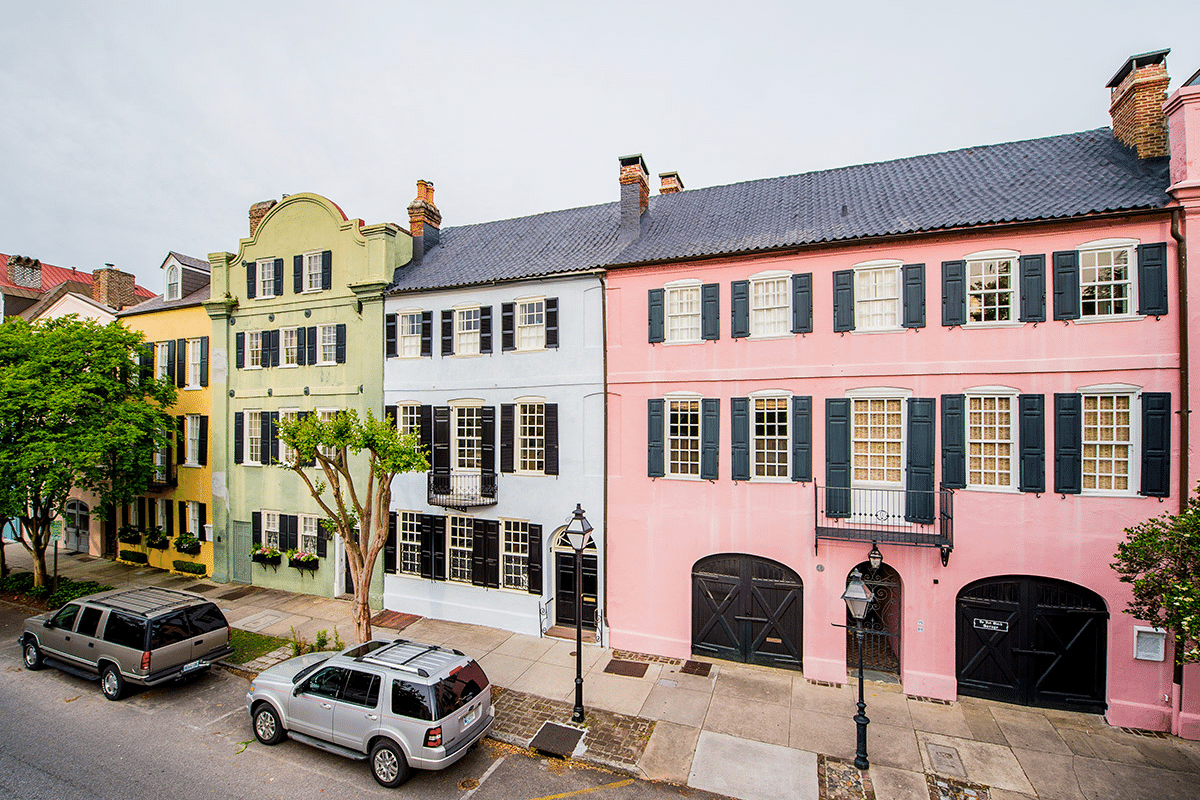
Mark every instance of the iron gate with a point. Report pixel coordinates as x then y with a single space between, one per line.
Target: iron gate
749 609
881 625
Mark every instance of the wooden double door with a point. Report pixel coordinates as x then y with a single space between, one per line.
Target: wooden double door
749 609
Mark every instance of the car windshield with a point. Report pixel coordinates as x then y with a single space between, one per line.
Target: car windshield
459 688
304 673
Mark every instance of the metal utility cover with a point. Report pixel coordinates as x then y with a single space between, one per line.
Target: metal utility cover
700 668
556 740
633 669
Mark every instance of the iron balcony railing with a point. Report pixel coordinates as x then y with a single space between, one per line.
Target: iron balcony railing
891 516
462 489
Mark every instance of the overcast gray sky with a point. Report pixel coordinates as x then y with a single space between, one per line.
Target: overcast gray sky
135 128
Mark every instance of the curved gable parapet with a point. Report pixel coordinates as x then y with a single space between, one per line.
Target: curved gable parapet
301 216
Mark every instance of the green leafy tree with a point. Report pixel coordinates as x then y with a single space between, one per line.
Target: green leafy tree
1160 559
356 508
77 409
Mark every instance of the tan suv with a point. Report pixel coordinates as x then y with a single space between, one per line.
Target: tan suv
144 636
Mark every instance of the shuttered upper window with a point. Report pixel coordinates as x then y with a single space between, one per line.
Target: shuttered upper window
990 436
1106 282
683 438
461 540
1107 442
770 305
531 324
877 297
683 312
877 440
410 334
991 287
466 331
408 527
531 437
515 556
468 437
770 440
312 272
266 278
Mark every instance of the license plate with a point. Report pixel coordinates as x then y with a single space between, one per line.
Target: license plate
470 716
192 666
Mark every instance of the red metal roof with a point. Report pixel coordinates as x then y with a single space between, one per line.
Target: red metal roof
52 276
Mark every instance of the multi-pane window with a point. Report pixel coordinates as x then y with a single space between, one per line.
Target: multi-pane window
289 453
468 437
291 351
193 357
1107 442
877 298
160 466
308 533
312 272
683 313
531 437
270 521
253 437
771 441
409 420
162 360
683 438
1106 281
266 278
770 304
462 538
135 518
410 334
408 526
327 415
193 439
193 515
515 556
877 440
466 331
163 508
990 295
327 344
254 351
990 441
172 283
531 324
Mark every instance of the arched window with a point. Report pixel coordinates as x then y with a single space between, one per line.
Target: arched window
172 282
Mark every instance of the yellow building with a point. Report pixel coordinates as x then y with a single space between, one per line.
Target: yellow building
170 528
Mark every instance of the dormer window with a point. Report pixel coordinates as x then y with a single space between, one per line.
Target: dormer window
172 282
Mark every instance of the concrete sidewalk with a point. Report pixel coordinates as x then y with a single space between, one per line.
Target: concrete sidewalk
743 731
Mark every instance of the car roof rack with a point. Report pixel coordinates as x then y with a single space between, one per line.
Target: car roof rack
146 600
401 654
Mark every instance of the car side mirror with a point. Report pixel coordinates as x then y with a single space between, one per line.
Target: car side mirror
47 624
297 690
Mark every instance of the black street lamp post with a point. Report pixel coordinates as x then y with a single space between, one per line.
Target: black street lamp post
579 534
858 597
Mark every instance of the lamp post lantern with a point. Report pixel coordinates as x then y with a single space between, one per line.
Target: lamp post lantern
858 597
579 535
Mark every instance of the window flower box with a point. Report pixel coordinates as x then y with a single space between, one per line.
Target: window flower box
267 556
188 544
157 538
303 560
129 535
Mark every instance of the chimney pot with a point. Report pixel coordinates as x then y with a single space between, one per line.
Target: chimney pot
25 271
1138 91
113 288
424 221
635 196
258 211
669 183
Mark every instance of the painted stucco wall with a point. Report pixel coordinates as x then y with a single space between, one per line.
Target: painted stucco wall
572 376
661 527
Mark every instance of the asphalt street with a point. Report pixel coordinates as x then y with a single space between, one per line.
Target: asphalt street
61 740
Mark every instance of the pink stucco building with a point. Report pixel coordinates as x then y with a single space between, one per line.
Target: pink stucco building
974 363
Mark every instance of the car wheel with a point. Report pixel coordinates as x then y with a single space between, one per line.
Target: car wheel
388 764
31 654
267 727
111 682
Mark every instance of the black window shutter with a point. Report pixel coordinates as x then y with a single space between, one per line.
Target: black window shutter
427 334
203 454
843 301
479 553
508 327
914 295
1066 285
535 559
954 445
441 440
389 547
204 361
426 556
143 517
301 346
710 311
146 363
802 310
837 457
1068 443
1156 444
391 413
312 344
654 438
203 514
389 335
508 413
552 322
340 354
181 363
491 564
739 303
181 439
183 517
322 541
426 426
275 348
739 431
802 438
1032 443
485 329
327 269
487 437
278 276
310 462
256 527
170 371
169 517
251 269
240 349
954 293
239 423
439 548
448 333
1033 288
264 437
293 532
710 438
919 500
1152 279
298 274
274 437
656 315
550 411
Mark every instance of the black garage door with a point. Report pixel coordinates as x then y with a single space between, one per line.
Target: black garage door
1033 641
746 608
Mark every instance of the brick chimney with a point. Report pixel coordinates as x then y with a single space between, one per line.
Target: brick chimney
670 183
635 196
258 211
424 221
1139 90
113 288
25 271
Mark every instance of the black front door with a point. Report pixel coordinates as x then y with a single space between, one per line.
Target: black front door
747 609
564 597
1033 641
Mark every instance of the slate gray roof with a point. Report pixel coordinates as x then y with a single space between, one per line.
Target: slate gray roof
188 261
1057 177
157 303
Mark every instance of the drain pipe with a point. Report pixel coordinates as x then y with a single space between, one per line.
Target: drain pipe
1185 406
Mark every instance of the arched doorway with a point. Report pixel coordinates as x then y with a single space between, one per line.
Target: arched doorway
76 525
1033 641
746 608
564 583
881 625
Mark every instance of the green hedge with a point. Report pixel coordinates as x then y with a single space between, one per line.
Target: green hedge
136 556
190 567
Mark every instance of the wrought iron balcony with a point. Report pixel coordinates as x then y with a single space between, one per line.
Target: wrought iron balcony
890 516
462 489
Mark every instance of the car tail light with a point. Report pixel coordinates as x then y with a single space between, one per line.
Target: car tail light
146 661
433 737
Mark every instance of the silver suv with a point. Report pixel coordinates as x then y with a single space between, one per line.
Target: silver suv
144 636
398 703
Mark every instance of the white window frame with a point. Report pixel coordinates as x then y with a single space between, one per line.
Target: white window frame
862 302
529 336
514 554
192 430
286 453
309 531
458 554
162 353
783 468
174 283
312 272
408 543
162 508
193 518
530 438
1014 454
325 415
326 348
673 463
266 279
982 258
456 445
681 323
1134 458
270 528
770 321
289 344
160 465
467 336
408 333
254 349
881 393
253 431
193 364
408 418
135 518
1130 281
